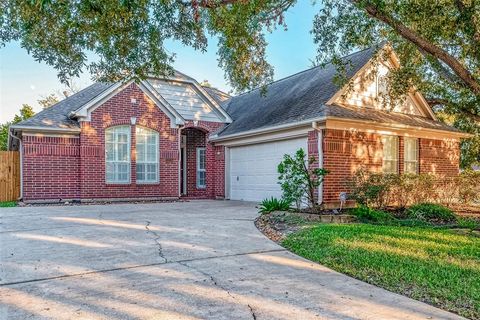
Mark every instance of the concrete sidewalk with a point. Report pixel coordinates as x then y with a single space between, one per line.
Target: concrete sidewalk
181 260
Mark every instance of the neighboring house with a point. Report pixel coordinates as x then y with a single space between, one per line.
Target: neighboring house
171 137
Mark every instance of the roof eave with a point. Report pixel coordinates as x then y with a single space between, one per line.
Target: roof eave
260 131
453 134
41 129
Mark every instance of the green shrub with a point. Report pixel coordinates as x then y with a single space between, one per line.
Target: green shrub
274 204
430 212
366 214
299 178
468 223
372 189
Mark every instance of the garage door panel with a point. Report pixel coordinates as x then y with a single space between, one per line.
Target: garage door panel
253 168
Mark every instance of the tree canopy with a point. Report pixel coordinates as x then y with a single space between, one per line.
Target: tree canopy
26 112
438 42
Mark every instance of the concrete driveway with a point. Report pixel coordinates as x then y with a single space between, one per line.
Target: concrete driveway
184 260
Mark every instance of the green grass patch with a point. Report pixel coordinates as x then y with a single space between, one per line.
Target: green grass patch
436 266
7 204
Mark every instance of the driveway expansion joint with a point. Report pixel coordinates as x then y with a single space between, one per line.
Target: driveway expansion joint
137 266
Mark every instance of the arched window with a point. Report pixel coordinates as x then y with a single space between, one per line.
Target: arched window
147 155
117 154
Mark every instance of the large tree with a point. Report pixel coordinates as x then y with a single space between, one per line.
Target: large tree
438 42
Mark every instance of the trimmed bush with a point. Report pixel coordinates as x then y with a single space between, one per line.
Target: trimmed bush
366 214
468 223
274 204
432 213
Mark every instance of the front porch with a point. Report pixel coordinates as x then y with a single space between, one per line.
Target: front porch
201 165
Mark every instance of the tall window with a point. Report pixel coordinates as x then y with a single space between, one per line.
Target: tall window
147 155
390 154
410 155
117 154
201 169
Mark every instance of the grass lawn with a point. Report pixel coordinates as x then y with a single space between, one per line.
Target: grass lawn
7 204
436 266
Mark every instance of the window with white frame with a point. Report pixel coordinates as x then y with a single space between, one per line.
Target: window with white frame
410 154
390 154
117 154
201 168
147 155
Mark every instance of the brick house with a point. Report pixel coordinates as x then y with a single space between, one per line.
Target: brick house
170 137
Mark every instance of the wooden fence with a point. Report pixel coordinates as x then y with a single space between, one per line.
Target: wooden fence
9 175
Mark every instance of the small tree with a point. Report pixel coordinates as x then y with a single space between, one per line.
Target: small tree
299 179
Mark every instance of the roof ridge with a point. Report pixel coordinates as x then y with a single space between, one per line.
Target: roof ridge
302 71
216 89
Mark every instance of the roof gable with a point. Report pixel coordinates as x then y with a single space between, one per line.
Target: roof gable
187 100
366 87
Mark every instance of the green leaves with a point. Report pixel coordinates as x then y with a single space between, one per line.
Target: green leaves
299 178
126 39
438 43
25 112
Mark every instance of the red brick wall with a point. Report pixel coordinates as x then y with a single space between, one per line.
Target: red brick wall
439 157
51 167
346 151
74 168
118 110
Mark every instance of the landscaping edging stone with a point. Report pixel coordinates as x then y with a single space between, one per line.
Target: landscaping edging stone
278 225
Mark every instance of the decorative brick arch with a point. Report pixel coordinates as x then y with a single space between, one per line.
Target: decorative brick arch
215 159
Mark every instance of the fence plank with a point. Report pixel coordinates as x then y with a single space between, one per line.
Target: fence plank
9 175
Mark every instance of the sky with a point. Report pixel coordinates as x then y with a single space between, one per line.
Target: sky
24 80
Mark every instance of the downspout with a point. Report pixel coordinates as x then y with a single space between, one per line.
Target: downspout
20 148
320 157
180 176
320 164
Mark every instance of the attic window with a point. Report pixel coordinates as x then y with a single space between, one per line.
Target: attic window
382 87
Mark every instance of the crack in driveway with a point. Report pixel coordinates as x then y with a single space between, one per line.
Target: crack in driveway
216 284
157 241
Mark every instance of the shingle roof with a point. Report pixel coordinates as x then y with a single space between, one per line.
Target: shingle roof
299 97
303 97
57 116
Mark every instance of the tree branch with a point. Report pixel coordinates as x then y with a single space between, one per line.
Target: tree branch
422 43
469 14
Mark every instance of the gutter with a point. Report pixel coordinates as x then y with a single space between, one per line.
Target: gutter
254 132
404 126
320 158
39 129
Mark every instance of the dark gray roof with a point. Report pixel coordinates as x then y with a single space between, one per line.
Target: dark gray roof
302 97
57 116
299 97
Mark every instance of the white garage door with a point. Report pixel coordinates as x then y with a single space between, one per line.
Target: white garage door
253 168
